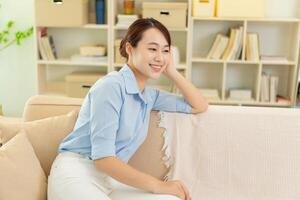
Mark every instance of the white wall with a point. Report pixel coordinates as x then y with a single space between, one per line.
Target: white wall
17 64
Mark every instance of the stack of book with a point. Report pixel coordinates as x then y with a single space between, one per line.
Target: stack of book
46 45
274 58
90 53
240 95
126 20
252 47
210 94
228 48
269 89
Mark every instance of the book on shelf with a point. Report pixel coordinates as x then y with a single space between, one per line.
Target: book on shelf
252 47
269 88
46 45
53 49
237 44
230 43
265 88
48 48
218 47
92 12
238 53
214 46
234 47
42 32
273 88
100 11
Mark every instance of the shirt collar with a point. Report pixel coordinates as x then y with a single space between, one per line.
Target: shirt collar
130 80
131 84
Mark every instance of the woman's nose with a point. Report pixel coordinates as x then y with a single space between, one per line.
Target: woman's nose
158 56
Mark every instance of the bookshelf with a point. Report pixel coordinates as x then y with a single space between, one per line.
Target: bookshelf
277 36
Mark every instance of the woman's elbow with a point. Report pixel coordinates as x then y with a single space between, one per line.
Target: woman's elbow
103 164
202 108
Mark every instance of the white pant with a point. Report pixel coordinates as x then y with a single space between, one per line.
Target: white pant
74 177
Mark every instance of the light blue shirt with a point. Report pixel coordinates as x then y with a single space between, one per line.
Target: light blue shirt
114 117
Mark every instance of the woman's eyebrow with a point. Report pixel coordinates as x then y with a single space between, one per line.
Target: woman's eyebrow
154 43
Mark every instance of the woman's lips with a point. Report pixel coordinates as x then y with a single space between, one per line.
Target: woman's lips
155 68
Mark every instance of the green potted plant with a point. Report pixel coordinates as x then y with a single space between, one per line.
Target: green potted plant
9 36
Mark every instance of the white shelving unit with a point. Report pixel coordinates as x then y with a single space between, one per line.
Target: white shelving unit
51 73
278 36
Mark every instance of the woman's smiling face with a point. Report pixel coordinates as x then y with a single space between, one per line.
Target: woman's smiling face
151 55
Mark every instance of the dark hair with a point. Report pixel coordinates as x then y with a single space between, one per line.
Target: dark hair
135 32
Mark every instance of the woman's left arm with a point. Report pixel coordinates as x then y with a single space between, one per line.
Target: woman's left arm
191 94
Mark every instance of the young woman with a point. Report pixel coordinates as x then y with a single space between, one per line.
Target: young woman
113 122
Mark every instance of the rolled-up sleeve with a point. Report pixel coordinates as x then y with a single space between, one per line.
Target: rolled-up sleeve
169 102
106 102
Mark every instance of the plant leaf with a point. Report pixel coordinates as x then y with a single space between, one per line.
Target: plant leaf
10 24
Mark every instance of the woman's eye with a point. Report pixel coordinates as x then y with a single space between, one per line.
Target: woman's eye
166 51
152 49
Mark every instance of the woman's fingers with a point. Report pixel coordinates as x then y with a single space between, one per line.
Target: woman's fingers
186 191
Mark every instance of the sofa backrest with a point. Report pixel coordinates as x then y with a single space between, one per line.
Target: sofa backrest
40 106
147 159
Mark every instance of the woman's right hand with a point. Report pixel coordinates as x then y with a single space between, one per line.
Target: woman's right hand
176 188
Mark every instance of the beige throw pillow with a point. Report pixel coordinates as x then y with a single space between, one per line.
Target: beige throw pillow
20 171
45 135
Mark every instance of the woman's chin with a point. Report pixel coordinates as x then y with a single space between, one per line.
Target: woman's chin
155 76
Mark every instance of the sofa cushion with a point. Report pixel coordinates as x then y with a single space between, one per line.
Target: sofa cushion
21 174
45 135
148 158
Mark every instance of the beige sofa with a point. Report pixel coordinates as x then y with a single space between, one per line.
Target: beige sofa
220 134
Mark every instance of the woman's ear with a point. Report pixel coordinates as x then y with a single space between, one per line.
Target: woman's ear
128 49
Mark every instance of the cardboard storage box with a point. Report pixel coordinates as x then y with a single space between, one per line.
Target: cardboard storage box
79 83
172 15
203 8
67 13
241 8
